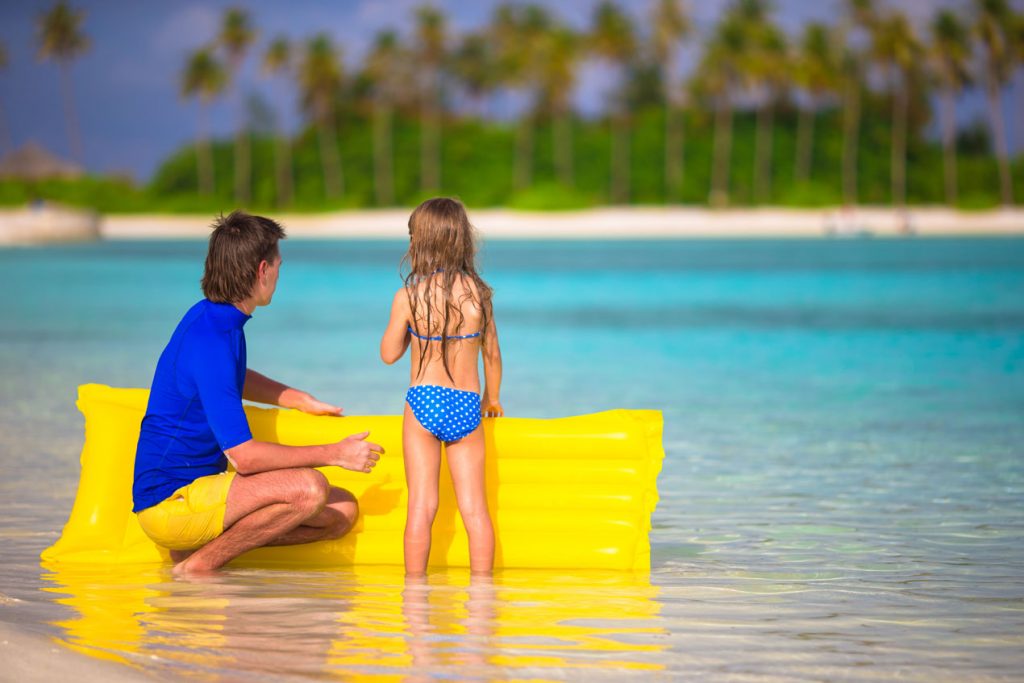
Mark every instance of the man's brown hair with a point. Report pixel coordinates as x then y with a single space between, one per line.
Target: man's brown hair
237 245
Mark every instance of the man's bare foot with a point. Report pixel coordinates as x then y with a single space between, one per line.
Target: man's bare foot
189 567
180 555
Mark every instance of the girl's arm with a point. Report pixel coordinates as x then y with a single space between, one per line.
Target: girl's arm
490 403
396 336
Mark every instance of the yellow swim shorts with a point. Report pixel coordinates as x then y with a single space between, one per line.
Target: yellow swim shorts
192 516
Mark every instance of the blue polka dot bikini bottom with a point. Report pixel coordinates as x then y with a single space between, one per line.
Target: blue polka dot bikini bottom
448 414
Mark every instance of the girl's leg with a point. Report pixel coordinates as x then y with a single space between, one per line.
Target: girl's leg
466 463
422 454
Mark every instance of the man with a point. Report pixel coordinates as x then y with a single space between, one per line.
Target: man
185 498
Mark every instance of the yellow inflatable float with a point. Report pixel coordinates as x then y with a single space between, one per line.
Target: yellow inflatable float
567 493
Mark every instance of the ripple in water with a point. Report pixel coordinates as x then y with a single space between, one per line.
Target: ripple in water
841 498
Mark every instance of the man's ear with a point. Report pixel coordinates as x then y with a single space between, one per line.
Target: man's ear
261 270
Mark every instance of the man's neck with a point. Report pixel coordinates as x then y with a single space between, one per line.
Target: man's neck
246 306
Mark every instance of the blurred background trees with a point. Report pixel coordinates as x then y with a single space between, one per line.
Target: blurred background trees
835 114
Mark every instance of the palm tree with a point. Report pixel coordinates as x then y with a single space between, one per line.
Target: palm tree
896 48
278 61
717 77
236 35
559 51
993 19
765 65
5 138
430 55
385 72
60 38
612 38
320 78
506 32
1017 40
205 78
817 73
671 25
473 64
519 32
1017 36
861 16
950 54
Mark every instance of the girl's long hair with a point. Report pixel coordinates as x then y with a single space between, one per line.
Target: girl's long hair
442 248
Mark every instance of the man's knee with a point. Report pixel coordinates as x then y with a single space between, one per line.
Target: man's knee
309 488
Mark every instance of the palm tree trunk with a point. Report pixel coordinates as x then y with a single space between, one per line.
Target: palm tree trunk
805 143
432 150
620 159
949 145
430 143
673 153
5 134
243 154
898 157
999 141
70 113
722 149
522 173
762 153
204 156
330 160
851 129
283 161
562 131
243 168
382 154
758 142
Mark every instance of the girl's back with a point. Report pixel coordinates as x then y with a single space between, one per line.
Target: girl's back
435 314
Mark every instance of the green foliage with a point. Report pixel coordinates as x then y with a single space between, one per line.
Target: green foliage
102 194
550 196
478 161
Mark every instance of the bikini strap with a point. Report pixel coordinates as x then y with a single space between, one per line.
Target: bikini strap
452 336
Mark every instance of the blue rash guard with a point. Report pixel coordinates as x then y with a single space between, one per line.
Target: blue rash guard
195 405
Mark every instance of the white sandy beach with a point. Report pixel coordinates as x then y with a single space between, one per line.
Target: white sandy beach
28 657
55 224
608 223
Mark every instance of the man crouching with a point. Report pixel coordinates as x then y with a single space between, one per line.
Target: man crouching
185 498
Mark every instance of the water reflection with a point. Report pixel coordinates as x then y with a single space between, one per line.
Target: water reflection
362 621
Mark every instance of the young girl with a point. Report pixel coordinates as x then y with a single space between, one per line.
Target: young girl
444 312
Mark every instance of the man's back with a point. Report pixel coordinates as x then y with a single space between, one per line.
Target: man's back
195 405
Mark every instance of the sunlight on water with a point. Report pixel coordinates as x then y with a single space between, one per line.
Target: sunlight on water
362 621
842 495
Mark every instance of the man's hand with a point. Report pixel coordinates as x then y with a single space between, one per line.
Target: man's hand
356 453
310 405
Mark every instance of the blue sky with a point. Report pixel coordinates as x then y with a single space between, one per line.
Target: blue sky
126 86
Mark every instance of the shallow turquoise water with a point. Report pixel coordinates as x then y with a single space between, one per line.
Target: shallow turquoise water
842 497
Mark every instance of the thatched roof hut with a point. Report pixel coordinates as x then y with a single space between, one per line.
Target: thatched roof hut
32 162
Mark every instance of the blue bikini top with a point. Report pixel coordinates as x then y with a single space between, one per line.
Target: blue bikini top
451 336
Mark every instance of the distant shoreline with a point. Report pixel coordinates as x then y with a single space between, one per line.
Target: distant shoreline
608 223
57 224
